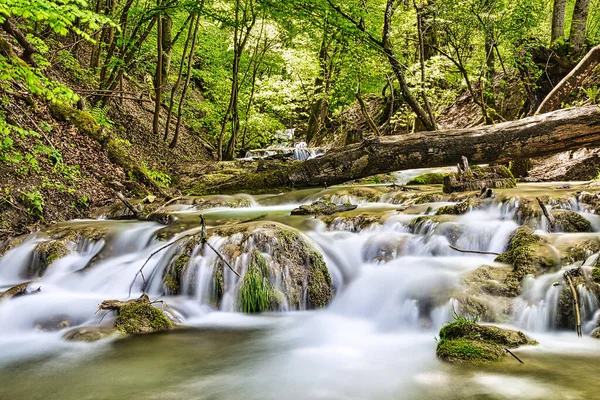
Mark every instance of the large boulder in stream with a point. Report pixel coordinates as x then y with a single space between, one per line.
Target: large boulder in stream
464 340
529 254
279 268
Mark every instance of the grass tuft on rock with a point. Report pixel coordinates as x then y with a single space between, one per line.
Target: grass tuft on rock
255 289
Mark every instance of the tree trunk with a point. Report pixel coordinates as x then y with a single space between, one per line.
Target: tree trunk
540 135
578 25
185 85
158 81
397 68
28 48
558 20
175 87
570 82
167 48
319 109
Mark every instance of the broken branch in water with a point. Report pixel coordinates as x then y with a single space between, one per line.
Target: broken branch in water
140 272
130 206
549 217
513 354
205 241
473 251
575 301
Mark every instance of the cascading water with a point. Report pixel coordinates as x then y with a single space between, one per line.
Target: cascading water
396 281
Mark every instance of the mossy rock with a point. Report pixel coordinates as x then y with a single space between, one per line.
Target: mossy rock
283 262
82 120
464 350
456 209
490 280
529 254
432 178
227 202
322 207
596 275
48 252
466 341
351 223
90 333
174 273
136 317
572 222
430 198
367 194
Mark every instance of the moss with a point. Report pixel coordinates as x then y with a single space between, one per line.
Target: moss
456 209
432 178
141 317
596 274
352 223
82 120
218 285
429 198
463 350
255 289
466 341
48 252
233 202
319 282
322 207
570 221
174 274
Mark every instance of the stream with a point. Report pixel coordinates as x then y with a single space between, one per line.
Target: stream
395 284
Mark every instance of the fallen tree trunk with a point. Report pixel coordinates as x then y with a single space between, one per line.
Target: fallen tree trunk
570 82
535 136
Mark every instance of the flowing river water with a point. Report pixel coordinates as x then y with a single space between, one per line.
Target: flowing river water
395 285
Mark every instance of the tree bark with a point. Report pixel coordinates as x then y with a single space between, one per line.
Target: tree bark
28 49
158 78
570 82
578 24
185 85
540 135
558 20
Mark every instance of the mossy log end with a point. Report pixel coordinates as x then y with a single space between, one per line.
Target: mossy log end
535 136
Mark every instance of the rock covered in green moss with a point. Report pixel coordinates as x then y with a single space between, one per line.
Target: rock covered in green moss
368 194
137 316
431 178
174 272
351 222
464 340
223 201
455 209
281 261
48 252
529 254
570 221
322 207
